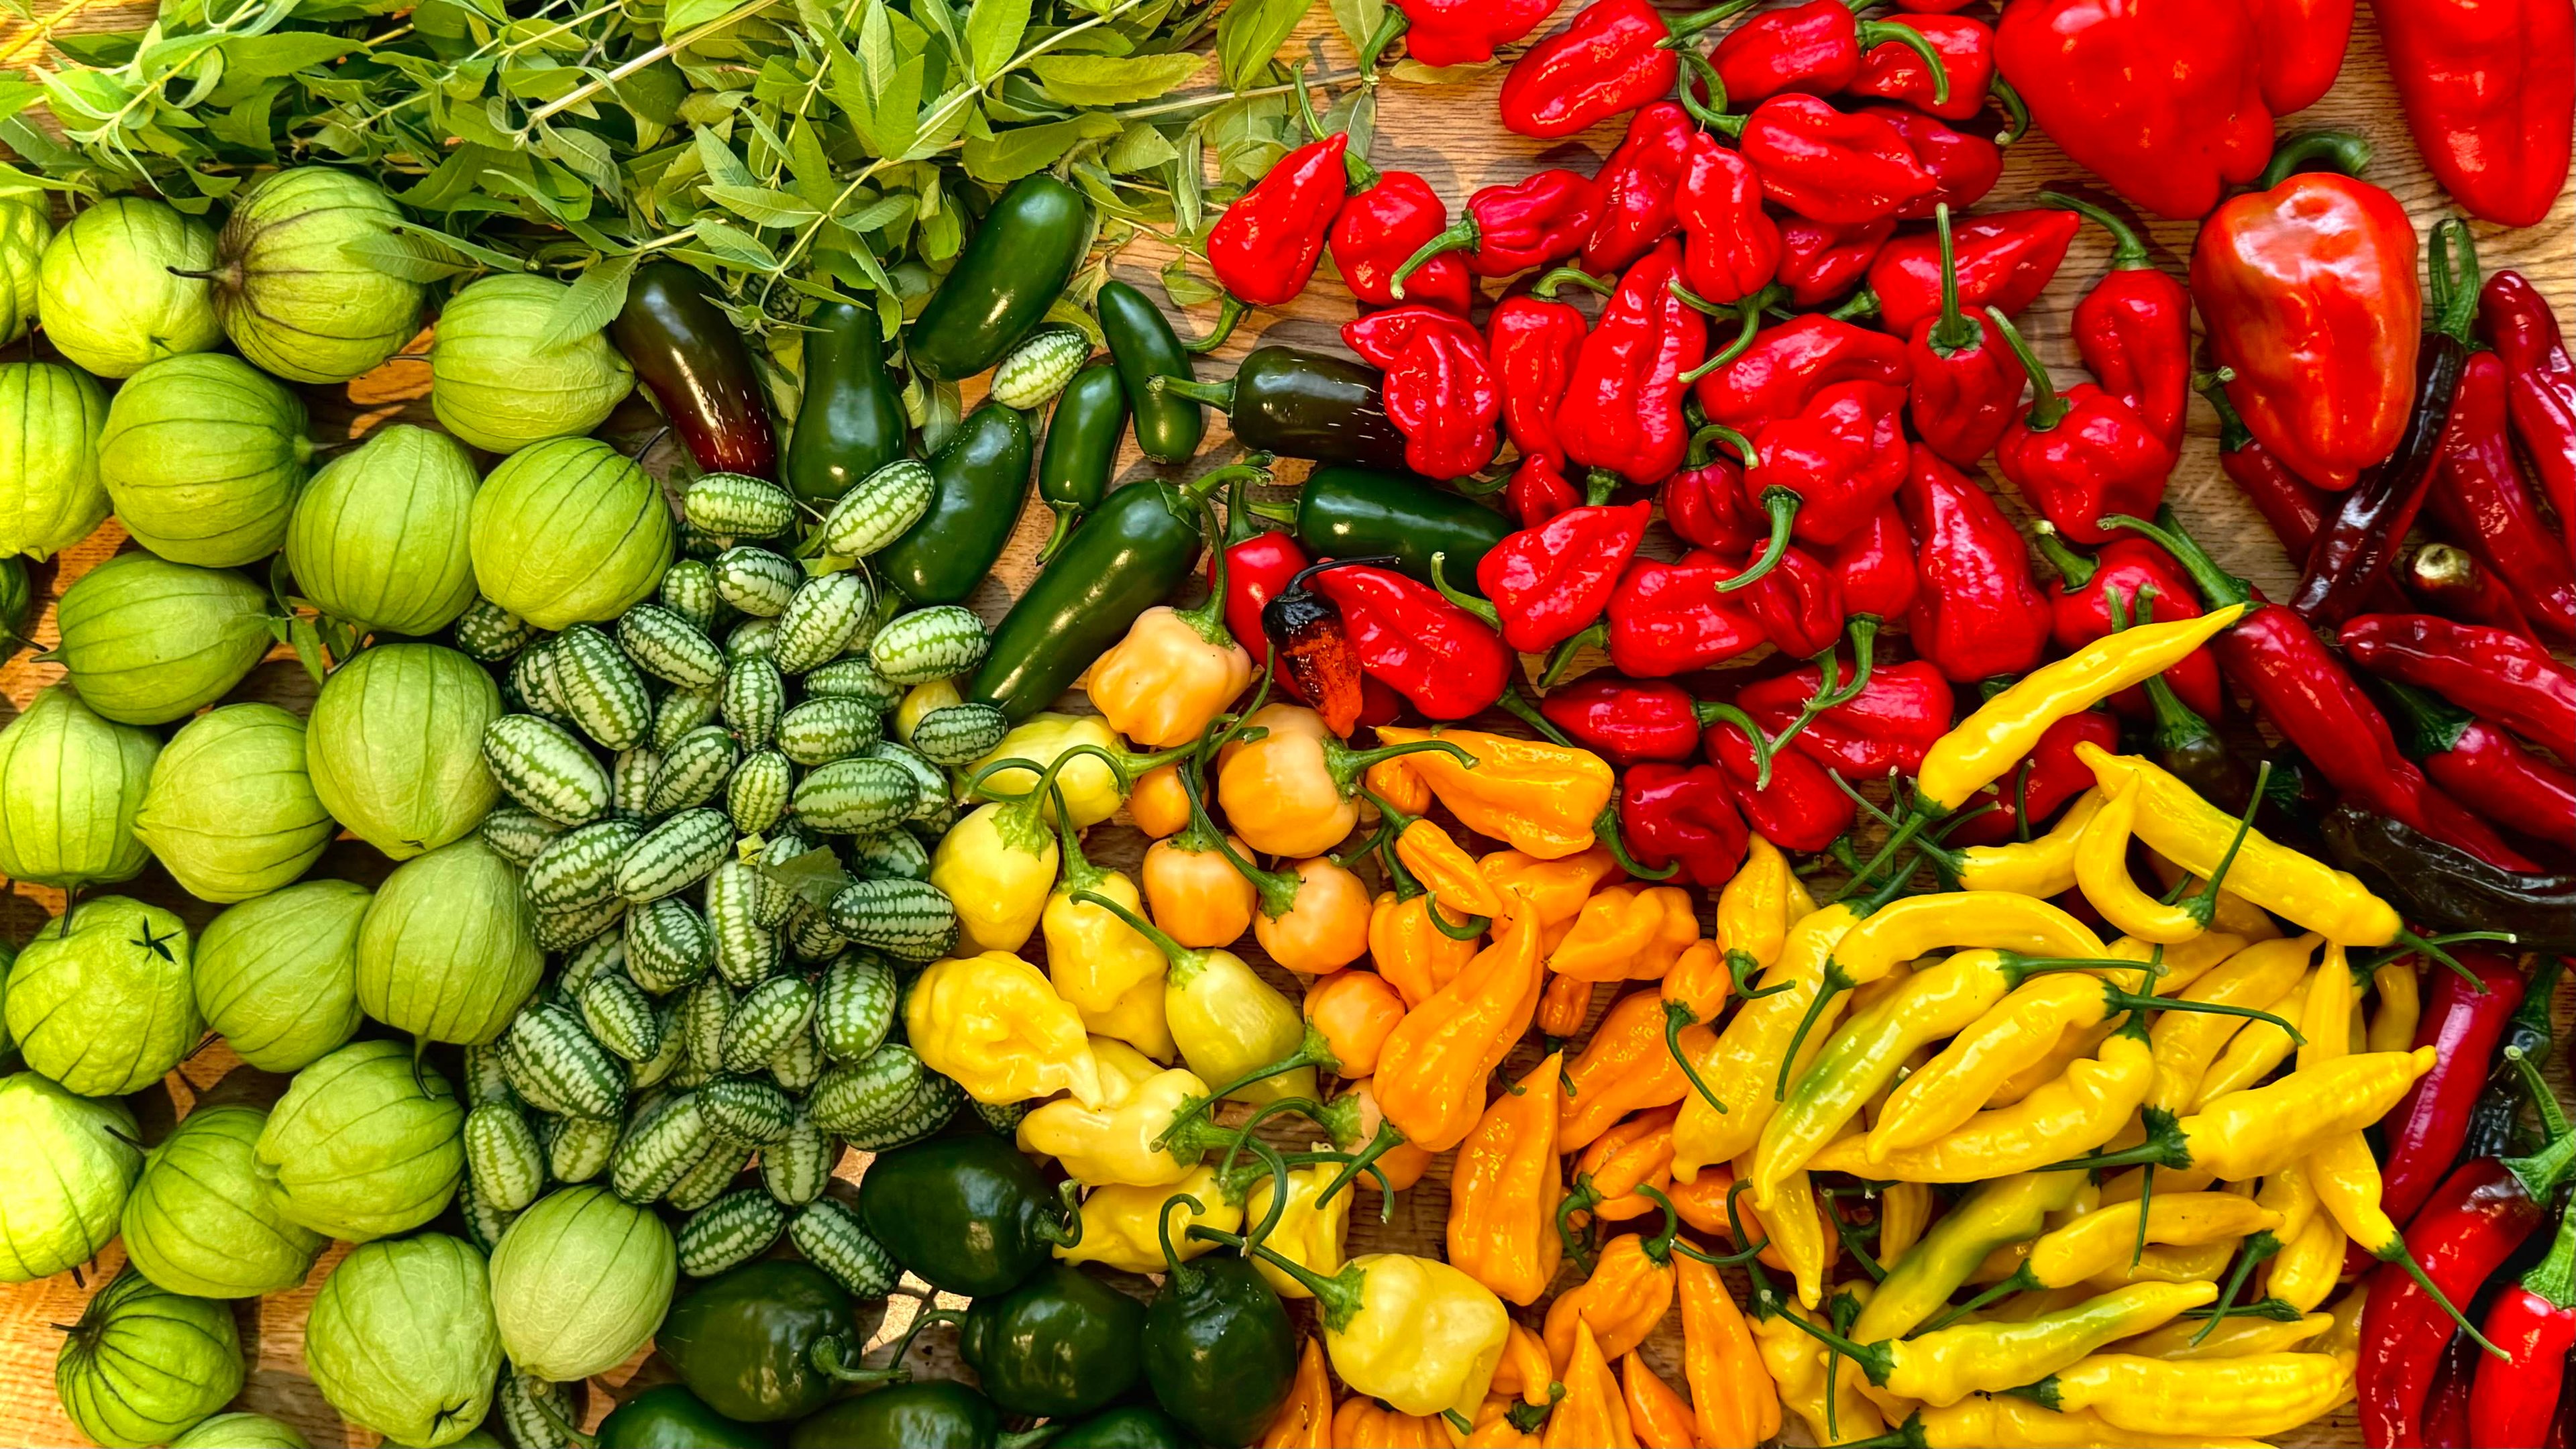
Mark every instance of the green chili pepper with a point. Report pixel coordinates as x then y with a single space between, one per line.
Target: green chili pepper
851 421
1354 513
1013 269
1168 425
1303 405
936 1415
981 477
1062 1343
668 1416
1081 449
1136 1426
1219 1349
769 1340
969 1214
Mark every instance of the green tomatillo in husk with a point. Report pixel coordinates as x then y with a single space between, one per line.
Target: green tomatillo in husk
144 1364
395 746
401 1339
231 811
50 419
494 383
241 1429
366 1143
24 230
118 286
63 1216
569 531
293 296
201 1220
580 1281
448 949
147 641
202 456
99 1000
378 535
71 783
277 975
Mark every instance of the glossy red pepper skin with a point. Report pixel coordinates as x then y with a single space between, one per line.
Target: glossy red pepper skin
1532 342
1627 720
1799 809
1893 72
2163 101
1533 222
1549 583
2129 569
2295 510
2133 329
2478 497
1814 48
2534 1322
1704 504
1379 228
1890 725
1264 249
1610 58
2490 95
2100 458
1799 603
2485 670
2426 1127
1257 568
1443 660
2308 293
1829 165
1440 391
1638 184
1979 613
1623 406
1465 32
2006 259
1874 568
2053 775
1789 364
1967 382
2446 1409
2299 45
1842 456
1669 618
1730 245
2444 579
1964 165
2515 320
1685 815
1820 262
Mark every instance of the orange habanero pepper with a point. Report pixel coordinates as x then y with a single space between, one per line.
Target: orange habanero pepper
1562 1007
1504 1189
1431 1073
1656 1415
1628 1293
1158 804
1557 888
1732 1396
1326 928
1306 1420
1364 1423
1525 1372
1355 1010
1627 1067
1593 1414
1446 870
1393 781
1415 956
1627 933
1504 1422
1635 1153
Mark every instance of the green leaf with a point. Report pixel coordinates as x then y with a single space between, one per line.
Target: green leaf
876 47
993 31
763 206
257 57
1109 80
593 302
1141 148
682 16
885 211
723 167
1250 32
1184 289
1023 150
1358 19
733 243
412 258
587 154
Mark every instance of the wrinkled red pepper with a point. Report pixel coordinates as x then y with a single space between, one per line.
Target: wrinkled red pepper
2490 96
1260 567
1549 583
1614 56
1788 365
1438 656
2082 455
1632 720
2133 330
1669 618
1730 245
1465 32
1816 48
1623 406
1894 71
2486 670
2005 260
1967 383
2299 45
1819 261
1980 613
1682 814
1827 165
1839 459
1264 249
1380 227
1532 340
1439 389
1704 502
2481 766
2047 778
2515 320
2478 497
1874 568
1638 184
1798 808
2130 570
1528 223
1889 725
1798 601
2534 1322
2165 102
1964 165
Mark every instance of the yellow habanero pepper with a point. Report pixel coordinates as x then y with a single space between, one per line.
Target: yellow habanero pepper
1758 905
1542 799
1306 1420
1981 1422
1554 889
1176 670
2236 1338
1564 1004
1228 1023
1823 1393
2041 867
1627 933
1093 784
1742 1066
1099 963
1119 1222
993 1025
1417 1333
2102 873
1122 1141
2196 835
1504 1189
1626 1067
1946 1365
2087 1106
1593 1414
1919 1284
1431 1072
1503 1422
1629 1292
1524 1372
999 862
2260 1394
1326 926
2187 1042
1309 1232
2401 1008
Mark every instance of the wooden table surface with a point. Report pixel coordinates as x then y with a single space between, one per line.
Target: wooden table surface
1449 135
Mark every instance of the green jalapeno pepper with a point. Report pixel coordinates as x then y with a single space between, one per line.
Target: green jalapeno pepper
1168 425
969 1214
980 478
1062 1343
1081 449
1356 513
851 421
1303 405
668 1416
1013 269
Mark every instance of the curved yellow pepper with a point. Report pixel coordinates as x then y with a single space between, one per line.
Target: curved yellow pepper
994 1025
1541 799
2002 1211
1946 1365
2186 1042
1115 1143
1742 1065
2011 1423
1756 907
1794 1221
2081 1110
2304 1273
1171 674
2102 873
1118 1222
1799 1365
2401 1008
1995 920
2044 866
2104 1238
2235 1338
2261 1394
1305 1233
2264 1129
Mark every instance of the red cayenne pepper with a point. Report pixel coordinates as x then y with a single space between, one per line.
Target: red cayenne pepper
1623 407
2144 578
1382 225
2500 675
2133 330
1638 184
2005 260
1964 165
1529 223
1669 618
1685 815
1614 56
1264 249
2082 455
1439 389
2466 1021
1439 657
1821 261
1789 364
2516 321
2478 497
1796 808
1967 383
1817 48
2534 1322
1980 613
1894 70
2481 765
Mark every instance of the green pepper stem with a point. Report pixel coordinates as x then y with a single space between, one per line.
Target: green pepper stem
2553 1279
1713 712
2346 152
1954 332
1606 829
2128 249
1172 1264
1388 1138
1563 656
2022 1279
1174 951
2395 1251
1550 280
1229 315
1313 1051
1578 1246
2553 1117
2072 567
1877 1360
2453 267
1875 33
1748 312
1277 888
1337 1297
1677 1016
1066 517
1515 704
1782 504
825 1356
2218 588
1347 764
1388 29
2204 906
1697 73
1218 394
2166 1146
2048 408
1835 982
2016 110
2258 1248
1461 235
1465 601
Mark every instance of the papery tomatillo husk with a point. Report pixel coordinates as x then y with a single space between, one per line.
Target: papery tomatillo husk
378 536
448 949
61 1217
24 230
111 288
569 531
366 1143
202 456
395 746
50 420
100 1000
71 783
494 386
277 976
147 641
144 1364
401 1339
231 810
289 292
200 1220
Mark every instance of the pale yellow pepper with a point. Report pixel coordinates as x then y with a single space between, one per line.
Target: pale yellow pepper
2270 1393
998 865
2082 1110
1417 1333
1118 1222
994 1025
2014 1423
1757 906
1093 787
1306 1234
2044 866
920 700
2234 1338
1114 1143
1742 1064
2102 873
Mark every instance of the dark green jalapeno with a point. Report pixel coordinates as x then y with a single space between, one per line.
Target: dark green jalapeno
1012 270
1168 425
851 421
1303 405
1081 449
981 477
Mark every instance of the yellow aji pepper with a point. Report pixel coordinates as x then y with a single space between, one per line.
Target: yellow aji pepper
1093 784
2304 1273
2102 872
994 1025
2234 1338
1306 1233
1593 1414
2044 866
2254 1052
1541 799
2106 1238
1136 1018
2204 1263
2343 1340
2013 1423
1431 1072
1326 928
1118 1222
2006 727
1904 1211
2401 1008
1759 903
1823 1391
2270 1393
1446 870
1176 670
1100 964
1946 1365
1627 933
2230 912
1228 1023
2264 1129
1554 889
1504 1189
2196 835
2327 1008
1742 1066
2187 1042
1795 1222
1306 1420
2083 1109
1994 920
920 700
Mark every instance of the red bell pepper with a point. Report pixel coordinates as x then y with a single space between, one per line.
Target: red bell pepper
1442 659
2047 778
1465 32
1821 261
1549 583
2445 579
1798 601
1788 365
2478 498
2145 579
2082 455
1440 391
1638 184
1264 249
1980 613
1797 808
2489 671
1874 569
1890 725
1632 720
2308 293
2515 320
1379 228
1967 383
1704 502
1964 165
2466 1021
1669 618
2490 94
1614 56
2005 260
1685 815
1827 165
1531 340
1623 406
2164 102
1894 70
1730 245
2481 765
1837 460
1528 223
2299 45
1815 47
2133 330
2534 1322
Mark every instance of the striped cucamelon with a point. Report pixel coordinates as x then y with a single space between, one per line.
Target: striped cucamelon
533 675
555 1064
579 867
733 1229
703 1012
599 685
1002 1119
577 1148
755 581
563 930
707 1178
829 728
856 1006
668 1050
828 1232
502 1153
764 1020
601 955
487 1077
879 508
689 590
928 778
752 639
693 769
620 1017
796 1167
746 1110
854 677
753 697
674 855
681 711
957 734
541 765
667 646
631 778
1032 373
756 795
939 642
737 505
797 1066
490 633
485 1220
820 619
536 1414
668 945
885 1100
658 1145
895 855
909 920
856 797
747 948
518 834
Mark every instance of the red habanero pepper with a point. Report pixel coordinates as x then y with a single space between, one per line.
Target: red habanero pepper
2133 330
2050 776
1465 32
1263 250
1638 184
1614 56
1932 7
2479 498
2494 673
2446 579
1874 569
2299 46
2515 320
1967 383
2081 455
2005 260
1799 602
1837 460
1440 391
2305 691
1980 613
2466 1020
1438 656
1682 814
1730 245
1890 725
1531 222
1797 808
1669 618
1894 70
2490 95
2534 1322
1704 502
2481 765
1964 165
1531 339
1381 226
1816 48
1821 261
1633 720
1788 365
1623 406
1828 165
2308 293
2164 102
2144 578
1549 583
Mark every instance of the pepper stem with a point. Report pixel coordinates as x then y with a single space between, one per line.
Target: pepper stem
1833 983
1782 504
1606 829
1516 705
2344 151
1277 888
1313 1051
1460 235
1065 518
1875 1359
1749 311
1677 1016
2021 1280
1585 1196
1388 30
1696 73
2454 279
2073 567
2233 435
1338 1296
1689 25
2128 249
2395 1251
2218 587
1875 33
2016 110
1218 394
1163 1231
1228 314
2047 408
1172 950
2165 1147
2259 1247
1954 332
1549 281
2553 1281
1562 658
1712 712
1464 600
2204 906
1388 1138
